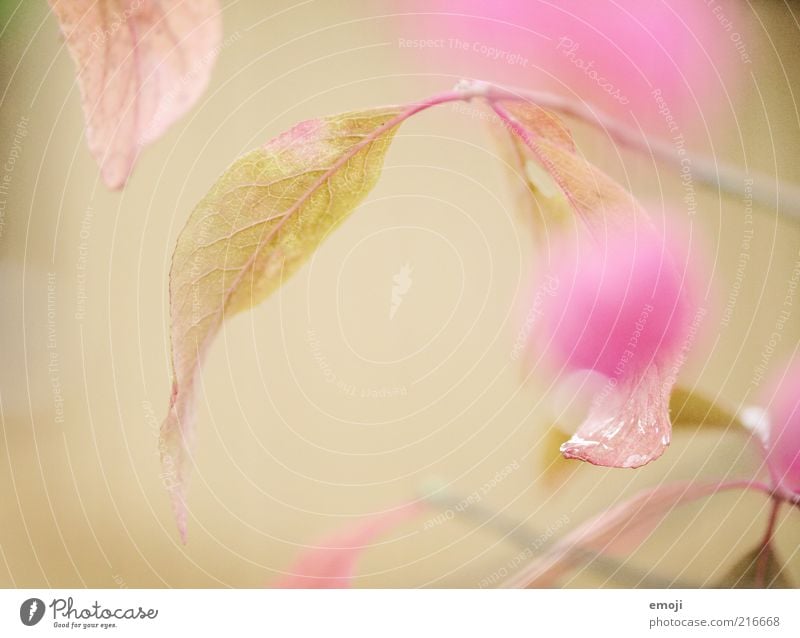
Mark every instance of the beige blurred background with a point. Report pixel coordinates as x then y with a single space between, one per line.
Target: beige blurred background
319 406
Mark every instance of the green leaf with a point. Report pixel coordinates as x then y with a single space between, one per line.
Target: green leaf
690 409
758 569
262 219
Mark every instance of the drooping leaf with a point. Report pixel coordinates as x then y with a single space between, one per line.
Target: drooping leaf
141 65
540 137
262 219
690 409
536 194
332 563
758 569
630 426
615 532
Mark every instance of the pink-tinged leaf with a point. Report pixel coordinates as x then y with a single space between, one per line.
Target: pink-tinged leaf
541 137
620 308
332 563
141 65
263 218
615 532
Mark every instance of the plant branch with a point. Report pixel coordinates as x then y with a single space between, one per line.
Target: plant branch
763 189
765 551
521 535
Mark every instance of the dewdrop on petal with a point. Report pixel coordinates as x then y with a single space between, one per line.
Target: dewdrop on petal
621 311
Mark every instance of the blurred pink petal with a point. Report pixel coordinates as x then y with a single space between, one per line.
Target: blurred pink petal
332 564
782 432
612 53
619 306
615 532
141 65
627 428
620 310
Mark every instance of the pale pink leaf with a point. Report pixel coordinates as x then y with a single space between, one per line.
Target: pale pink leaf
332 563
141 65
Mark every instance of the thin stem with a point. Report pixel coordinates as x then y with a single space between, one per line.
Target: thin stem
521 535
764 554
763 189
760 188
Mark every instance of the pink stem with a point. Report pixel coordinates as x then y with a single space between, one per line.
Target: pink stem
764 189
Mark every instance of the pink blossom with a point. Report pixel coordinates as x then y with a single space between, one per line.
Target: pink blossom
612 54
332 563
782 435
621 310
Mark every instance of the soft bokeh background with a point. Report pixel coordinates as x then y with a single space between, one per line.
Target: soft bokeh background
319 406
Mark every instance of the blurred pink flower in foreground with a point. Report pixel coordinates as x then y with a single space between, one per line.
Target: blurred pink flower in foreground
779 429
621 310
617 531
614 54
332 563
